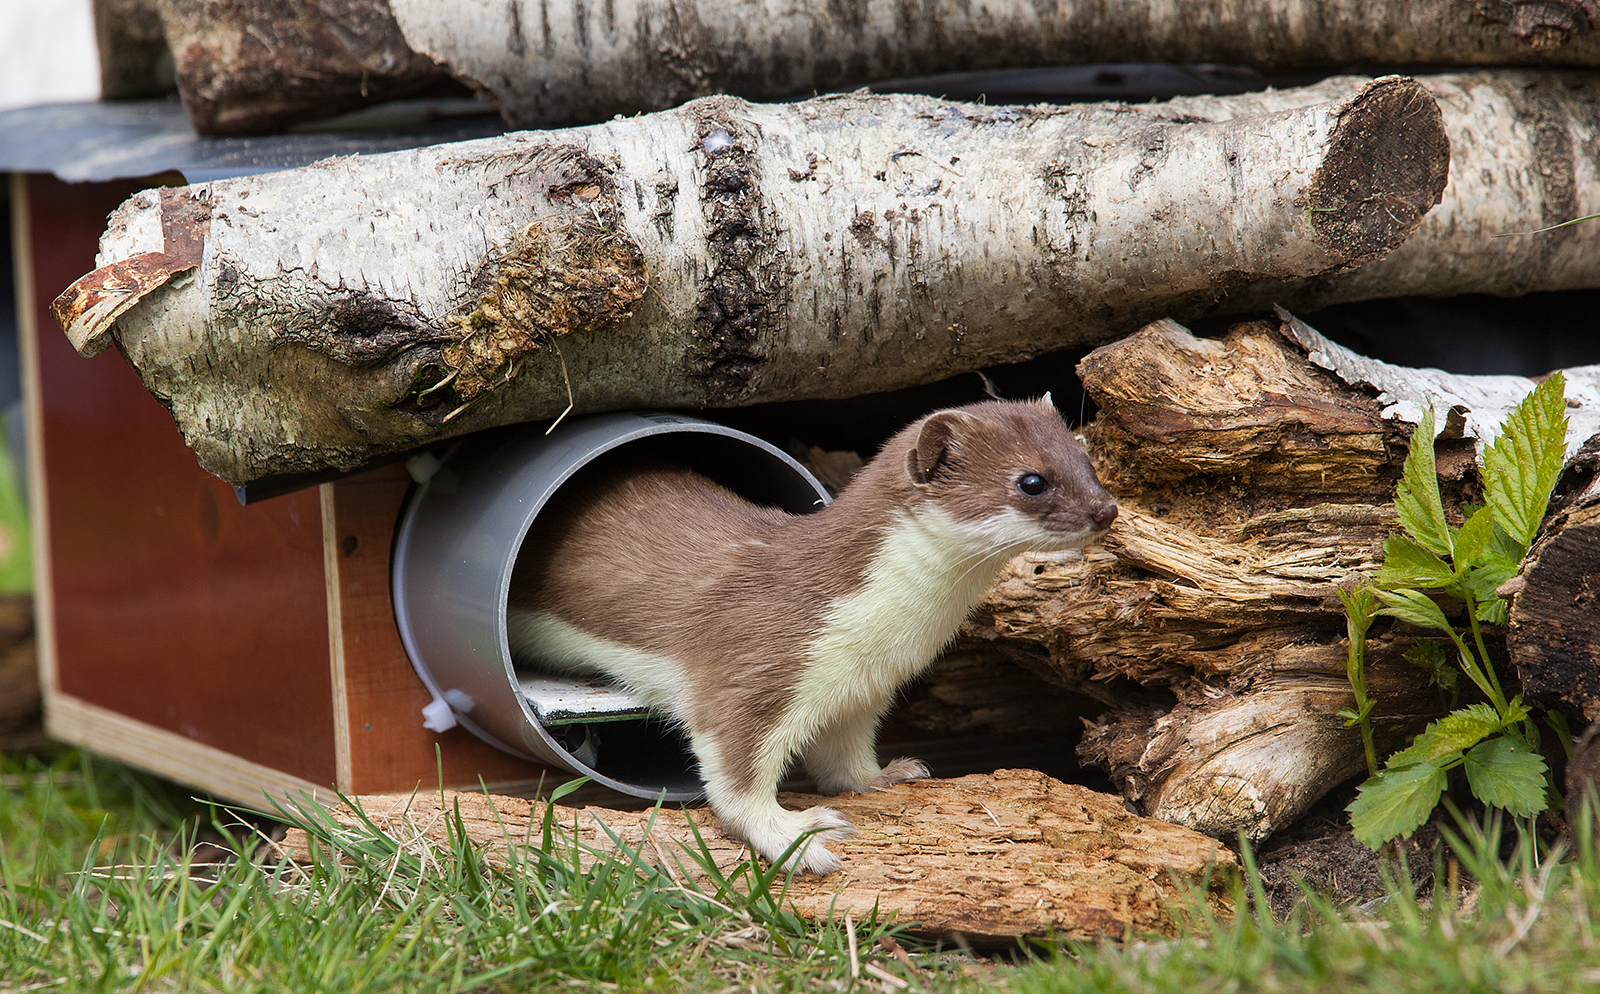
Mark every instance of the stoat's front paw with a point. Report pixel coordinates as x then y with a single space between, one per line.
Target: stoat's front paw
811 855
899 771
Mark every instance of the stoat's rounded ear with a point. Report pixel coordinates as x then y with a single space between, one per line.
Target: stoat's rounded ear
939 434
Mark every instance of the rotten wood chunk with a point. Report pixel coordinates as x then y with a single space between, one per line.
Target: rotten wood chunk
1554 638
1251 482
1256 474
990 858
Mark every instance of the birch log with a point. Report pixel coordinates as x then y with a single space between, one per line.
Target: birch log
1255 474
1524 155
248 66
577 62
716 255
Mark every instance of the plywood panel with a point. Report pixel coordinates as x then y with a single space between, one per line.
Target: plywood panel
170 603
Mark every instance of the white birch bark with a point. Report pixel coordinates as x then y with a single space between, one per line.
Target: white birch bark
313 319
1524 155
575 61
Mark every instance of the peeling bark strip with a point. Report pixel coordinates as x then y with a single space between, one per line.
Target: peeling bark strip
573 61
990 858
1254 474
181 217
828 248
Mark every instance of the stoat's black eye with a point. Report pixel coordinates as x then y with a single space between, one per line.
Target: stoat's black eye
1032 484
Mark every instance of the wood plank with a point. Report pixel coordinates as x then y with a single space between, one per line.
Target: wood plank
166 602
991 858
176 757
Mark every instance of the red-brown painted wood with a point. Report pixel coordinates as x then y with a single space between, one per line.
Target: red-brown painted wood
173 605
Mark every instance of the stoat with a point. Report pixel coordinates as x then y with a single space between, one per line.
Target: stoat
769 636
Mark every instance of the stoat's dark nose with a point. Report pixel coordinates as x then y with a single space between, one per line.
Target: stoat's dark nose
1104 516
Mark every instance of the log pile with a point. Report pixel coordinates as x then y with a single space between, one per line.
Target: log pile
718 255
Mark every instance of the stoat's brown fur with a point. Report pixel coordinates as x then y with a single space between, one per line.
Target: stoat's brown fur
770 635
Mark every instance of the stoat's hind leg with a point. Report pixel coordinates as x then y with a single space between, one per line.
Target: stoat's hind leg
842 755
743 792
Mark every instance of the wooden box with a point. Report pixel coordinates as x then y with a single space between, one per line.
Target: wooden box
237 649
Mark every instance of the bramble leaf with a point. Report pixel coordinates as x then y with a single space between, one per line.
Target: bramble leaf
1416 500
1395 802
1430 656
1473 538
1413 608
1407 564
1360 607
1505 547
1444 740
1482 581
1505 772
1520 468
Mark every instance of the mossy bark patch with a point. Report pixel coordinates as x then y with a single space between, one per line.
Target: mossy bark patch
575 269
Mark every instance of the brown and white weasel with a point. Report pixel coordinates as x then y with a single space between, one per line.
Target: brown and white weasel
769 635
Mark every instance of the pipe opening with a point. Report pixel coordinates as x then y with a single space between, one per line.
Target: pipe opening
455 551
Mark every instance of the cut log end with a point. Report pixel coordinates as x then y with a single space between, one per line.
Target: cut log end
1387 165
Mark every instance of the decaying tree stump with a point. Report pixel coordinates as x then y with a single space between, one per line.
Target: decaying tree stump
1255 474
717 255
991 858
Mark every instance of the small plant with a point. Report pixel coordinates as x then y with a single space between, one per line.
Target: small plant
1434 564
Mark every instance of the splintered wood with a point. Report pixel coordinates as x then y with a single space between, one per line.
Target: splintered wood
991 858
1256 475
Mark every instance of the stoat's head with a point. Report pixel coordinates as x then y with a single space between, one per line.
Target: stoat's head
1011 473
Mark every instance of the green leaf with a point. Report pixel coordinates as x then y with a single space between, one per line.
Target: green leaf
1473 539
1444 740
1395 802
1417 498
1505 547
1360 607
1407 564
1414 608
1520 468
1505 772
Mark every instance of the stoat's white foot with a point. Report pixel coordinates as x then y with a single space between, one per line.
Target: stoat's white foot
899 771
811 855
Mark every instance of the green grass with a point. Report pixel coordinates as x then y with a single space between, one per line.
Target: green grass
96 894
16 545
